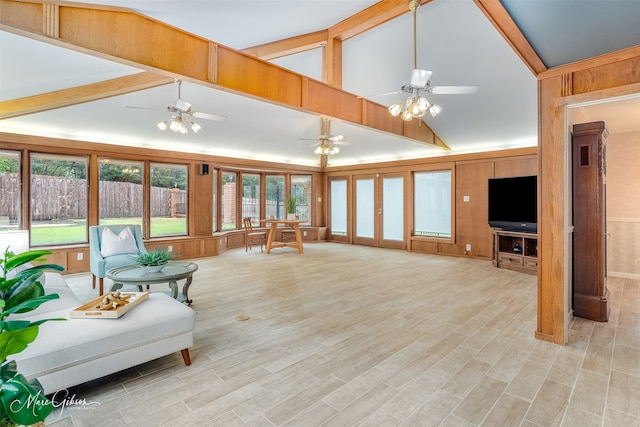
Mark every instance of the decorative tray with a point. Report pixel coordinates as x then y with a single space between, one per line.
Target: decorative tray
109 306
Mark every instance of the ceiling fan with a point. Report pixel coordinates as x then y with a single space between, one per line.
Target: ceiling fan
416 105
182 114
327 143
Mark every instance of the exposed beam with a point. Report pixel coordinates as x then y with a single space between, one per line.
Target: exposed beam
502 21
80 94
127 37
290 46
369 18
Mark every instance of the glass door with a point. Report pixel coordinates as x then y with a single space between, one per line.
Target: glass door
379 210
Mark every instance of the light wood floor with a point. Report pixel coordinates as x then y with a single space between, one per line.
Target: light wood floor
356 336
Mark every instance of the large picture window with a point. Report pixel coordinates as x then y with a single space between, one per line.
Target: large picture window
9 190
58 199
301 190
433 204
251 197
168 199
275 196
120 192
229 200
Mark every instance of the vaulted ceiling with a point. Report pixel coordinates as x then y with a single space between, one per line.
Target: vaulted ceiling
363 46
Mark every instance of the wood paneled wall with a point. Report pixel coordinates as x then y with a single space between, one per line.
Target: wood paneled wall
470 174
598 78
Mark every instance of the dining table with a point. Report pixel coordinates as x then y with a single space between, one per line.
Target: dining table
294 223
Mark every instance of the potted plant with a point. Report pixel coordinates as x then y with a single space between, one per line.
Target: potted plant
154 260
290 206
22 401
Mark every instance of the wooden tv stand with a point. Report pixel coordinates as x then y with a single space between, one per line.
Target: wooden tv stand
524 259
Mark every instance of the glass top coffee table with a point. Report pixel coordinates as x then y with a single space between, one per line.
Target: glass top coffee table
171 273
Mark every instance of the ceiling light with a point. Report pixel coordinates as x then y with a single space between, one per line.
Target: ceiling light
178 125
326 148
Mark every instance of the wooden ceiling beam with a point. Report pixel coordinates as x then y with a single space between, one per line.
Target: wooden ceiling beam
127 37
290 46
80 94
369 18
502 21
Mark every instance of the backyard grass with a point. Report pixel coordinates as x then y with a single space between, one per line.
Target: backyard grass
76 231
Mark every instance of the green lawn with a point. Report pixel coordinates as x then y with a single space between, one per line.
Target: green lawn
76 231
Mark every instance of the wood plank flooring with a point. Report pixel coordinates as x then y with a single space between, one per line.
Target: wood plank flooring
356 336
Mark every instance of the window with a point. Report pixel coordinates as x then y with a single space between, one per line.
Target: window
168 199
275 196
251 197
229 199
120 192
9 190
301 190
58 199
433 204
339 207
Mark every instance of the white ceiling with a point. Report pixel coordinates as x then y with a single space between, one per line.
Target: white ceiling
455 41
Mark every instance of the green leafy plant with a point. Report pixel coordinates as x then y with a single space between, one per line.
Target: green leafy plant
22 401
154 257
290 204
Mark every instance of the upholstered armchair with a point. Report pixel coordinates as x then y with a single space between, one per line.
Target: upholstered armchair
113 246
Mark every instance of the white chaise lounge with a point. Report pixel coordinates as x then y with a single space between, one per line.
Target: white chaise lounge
74 351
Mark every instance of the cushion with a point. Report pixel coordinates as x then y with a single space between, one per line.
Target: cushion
123 243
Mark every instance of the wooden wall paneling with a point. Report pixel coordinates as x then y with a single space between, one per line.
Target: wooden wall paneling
73 263
605 76
471 217
516 167
424 246
201 201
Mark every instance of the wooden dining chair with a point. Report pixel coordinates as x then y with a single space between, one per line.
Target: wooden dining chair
252 237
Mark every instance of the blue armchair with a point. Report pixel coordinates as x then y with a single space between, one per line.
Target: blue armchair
100 264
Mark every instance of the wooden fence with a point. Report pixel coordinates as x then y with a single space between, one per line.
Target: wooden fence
55 198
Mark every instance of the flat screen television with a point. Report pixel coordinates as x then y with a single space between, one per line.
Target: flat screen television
513 203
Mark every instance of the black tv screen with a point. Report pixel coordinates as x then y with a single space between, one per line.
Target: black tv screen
513 203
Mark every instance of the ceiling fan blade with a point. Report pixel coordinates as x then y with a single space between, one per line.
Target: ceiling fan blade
146 108
207 116
453 90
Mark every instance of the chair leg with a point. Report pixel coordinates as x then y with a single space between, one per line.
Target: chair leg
101 280
93 281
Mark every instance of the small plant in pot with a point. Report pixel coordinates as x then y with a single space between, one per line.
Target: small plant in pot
22 401
290 205
154 260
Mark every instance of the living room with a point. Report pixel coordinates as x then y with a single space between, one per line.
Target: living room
471 236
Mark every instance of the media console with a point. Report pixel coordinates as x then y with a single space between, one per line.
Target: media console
515 251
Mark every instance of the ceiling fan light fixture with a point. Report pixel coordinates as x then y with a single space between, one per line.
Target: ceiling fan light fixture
195 127
407 115
163 125
395 109
435 109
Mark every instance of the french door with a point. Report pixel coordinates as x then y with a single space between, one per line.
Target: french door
379 210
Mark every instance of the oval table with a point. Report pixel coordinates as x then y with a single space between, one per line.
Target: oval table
138 276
